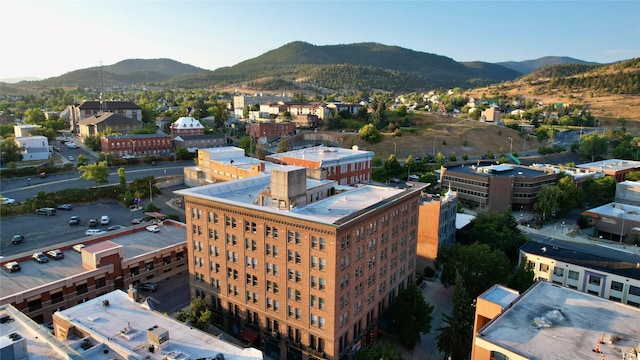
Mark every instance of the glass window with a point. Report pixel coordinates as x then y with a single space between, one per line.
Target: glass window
617 286
573 275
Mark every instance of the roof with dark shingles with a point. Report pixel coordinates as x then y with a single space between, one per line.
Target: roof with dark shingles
589 256
110 105
108 118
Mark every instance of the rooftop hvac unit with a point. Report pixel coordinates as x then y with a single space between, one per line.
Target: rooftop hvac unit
13 347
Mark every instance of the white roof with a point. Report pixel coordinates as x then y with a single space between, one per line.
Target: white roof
116 322
187 123
325 154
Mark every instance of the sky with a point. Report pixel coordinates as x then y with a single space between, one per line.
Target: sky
48 38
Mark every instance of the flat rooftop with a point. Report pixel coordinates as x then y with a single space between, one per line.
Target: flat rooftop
492 169
323 154
331 210
39 341
618 210
554 322
135 244
611 164
116 322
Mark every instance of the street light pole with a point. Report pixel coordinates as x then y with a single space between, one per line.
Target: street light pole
622 228
510 145
150 192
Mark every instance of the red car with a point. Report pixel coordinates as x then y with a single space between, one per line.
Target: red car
43 175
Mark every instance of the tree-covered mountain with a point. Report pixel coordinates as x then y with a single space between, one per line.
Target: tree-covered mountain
123 73
529 66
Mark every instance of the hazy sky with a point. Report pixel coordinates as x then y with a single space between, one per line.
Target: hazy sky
46 38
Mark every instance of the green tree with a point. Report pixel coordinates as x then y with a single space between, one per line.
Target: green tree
633 176
500 231
245 143
392 166
455 338
377 352
439 159
92 142
283 145
183 153
548 201
98 172
402 111
593 147
261 153
571 195
82 159
430 178
9 151
480 266
412 316
370 134
121 176
599 191
198 315
523 278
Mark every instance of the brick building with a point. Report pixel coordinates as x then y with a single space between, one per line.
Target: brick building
346 166
259 130
95 108
616 168
137 145
437 226
304 265
497 187
115 260
186 126
94 125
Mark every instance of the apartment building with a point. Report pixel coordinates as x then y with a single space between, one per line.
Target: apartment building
136 145
346 166
553 322
497 187
94 108
302 266
97 124
112 261
437 226
270 129
602 271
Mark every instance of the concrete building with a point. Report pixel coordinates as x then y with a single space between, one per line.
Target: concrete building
578 175
137 145
490 114
615 221
437 226
33 147
240 101
497 187
95 125
628 192
224 164
25 130
112 261
553 322
114 326
599 270
306 265
346 166
616 168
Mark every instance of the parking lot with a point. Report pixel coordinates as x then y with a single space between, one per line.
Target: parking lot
47 231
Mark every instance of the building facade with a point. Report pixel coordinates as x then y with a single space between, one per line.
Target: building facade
137 145
95 108
94 125
307 267
33 147
222 164
437 226
497 187
186 126
346 166
616 168
257 130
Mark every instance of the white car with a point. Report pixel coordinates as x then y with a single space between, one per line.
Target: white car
90 232
71 145
153 228
6 200
78 247
104 220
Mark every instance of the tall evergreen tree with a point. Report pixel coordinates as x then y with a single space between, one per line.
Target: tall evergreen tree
456 338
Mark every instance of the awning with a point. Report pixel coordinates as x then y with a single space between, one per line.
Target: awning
156 215
249 334
591 214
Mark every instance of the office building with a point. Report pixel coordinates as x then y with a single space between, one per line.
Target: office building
303 266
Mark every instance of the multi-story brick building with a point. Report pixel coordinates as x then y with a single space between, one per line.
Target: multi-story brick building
304 264
616 168
497 187
437 226
186 126
346 166
115 260
137 145
259 130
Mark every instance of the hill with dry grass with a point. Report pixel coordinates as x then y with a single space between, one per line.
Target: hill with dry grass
609 92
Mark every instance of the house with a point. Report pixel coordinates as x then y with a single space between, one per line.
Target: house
33 147
25 130
186 125
116 123
490 114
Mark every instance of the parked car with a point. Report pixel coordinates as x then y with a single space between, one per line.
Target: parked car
66 207
71 145
17 239
74 220
12 266
43 175
55 254
78 247
148 286
46 211
40 257
136 221
115 227
7 201
93 222
91 232
104 220
153 228
71 158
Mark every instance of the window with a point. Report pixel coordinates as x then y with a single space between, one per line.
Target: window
82 288
594 280
323 244
544 267
634 290
573 275
558 271
100 282
57 297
